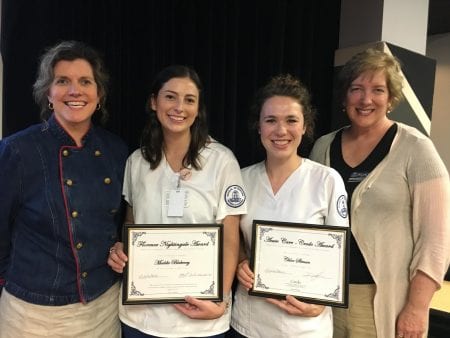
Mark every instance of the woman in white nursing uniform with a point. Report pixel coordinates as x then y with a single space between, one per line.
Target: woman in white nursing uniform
177 152
284 187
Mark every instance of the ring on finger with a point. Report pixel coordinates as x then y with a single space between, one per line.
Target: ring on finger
112 250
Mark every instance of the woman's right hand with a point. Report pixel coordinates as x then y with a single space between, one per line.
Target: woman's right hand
201 309
294 307
117 258
244 275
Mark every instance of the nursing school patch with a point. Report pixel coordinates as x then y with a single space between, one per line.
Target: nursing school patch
342 206
234 196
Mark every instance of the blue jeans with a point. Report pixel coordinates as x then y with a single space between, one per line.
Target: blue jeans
129 332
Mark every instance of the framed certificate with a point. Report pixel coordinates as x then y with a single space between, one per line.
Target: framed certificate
168 262
306 261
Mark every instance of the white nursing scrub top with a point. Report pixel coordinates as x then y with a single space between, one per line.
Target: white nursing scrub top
314 194
211 194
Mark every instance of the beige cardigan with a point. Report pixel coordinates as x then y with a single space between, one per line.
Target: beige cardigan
400 218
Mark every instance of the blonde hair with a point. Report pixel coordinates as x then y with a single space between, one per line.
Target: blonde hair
372 60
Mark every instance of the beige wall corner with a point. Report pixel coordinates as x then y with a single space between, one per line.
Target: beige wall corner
438 48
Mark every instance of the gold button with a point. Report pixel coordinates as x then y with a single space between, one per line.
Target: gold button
84 274
97 153
79 245
65 152
69 182
74 214
107 180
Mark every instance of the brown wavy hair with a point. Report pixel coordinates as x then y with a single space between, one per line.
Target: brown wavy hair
290 86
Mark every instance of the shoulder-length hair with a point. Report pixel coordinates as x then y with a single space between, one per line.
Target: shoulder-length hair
152 140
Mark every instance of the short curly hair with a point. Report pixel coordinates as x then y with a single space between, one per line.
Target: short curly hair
372 60
69 51
290 86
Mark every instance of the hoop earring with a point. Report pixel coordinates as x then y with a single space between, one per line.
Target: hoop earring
98 106
50 106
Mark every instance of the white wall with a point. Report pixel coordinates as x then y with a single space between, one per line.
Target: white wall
405 24
438 48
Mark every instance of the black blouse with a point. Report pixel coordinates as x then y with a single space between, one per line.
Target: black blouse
352 176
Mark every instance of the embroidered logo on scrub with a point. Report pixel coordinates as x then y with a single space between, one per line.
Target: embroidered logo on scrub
342 206
234 196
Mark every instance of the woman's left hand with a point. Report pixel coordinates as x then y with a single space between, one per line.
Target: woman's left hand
117 258
201 309
295 307
412 322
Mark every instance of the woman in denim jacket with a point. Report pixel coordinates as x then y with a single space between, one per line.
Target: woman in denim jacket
60 197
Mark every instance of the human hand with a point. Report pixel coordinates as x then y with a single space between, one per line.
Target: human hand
201 309
295 307
412 322
117 258
244 275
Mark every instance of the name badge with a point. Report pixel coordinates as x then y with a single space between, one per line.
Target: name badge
176 203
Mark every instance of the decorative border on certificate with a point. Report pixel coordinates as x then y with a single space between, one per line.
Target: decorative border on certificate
307 261
168 262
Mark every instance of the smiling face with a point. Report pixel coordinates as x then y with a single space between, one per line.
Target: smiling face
73 93
177 105
367 100
281 126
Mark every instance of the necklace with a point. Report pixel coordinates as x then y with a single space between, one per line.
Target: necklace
185 174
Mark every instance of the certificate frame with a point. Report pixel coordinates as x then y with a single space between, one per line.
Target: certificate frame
167 262
307 261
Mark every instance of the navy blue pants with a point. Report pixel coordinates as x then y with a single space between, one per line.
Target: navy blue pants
129 332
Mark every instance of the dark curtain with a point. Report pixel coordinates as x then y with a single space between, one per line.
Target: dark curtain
235 45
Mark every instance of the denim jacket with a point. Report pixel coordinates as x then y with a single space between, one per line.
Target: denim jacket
60 212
